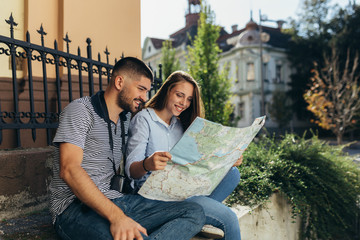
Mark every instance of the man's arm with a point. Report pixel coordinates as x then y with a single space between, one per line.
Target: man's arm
121 226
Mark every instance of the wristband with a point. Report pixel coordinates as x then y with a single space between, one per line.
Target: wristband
144 165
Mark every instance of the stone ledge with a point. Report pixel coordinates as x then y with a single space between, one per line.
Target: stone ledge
269 222
261 223
26 174
24 179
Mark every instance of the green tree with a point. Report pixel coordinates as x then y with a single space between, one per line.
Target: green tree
203 64
169 62
279 109
309 41
313 18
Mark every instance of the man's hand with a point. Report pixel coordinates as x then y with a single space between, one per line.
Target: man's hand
238 162
157 161
124 228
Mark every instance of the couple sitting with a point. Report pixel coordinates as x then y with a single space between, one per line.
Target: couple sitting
90 143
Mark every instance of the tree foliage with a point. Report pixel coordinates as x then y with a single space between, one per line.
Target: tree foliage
203 64
334 96
319 180
169 61
310 39
320 27
279 108
313 18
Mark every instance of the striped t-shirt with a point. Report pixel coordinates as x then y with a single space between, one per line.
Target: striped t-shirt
81 125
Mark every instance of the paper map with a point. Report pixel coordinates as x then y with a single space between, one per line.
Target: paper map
200 160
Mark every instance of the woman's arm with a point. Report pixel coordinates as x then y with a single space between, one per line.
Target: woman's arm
157 161
137 162
139 131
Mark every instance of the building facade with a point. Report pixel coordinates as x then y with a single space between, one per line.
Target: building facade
255 79
258 70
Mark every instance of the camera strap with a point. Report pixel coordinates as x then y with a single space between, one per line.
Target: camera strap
98 101
122 166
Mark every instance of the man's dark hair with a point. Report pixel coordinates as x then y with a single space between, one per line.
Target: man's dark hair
133 66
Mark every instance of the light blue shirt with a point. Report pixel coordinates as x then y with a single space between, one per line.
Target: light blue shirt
147 134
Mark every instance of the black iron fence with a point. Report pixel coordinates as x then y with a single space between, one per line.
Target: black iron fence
73 76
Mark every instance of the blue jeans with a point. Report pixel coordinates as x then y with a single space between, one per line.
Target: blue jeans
162 220
217 214
227 185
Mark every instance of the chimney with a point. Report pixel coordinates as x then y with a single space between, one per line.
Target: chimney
234 27
192 19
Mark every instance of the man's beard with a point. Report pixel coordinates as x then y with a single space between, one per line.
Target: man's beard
126 103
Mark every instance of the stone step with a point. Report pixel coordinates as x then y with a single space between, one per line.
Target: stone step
262 223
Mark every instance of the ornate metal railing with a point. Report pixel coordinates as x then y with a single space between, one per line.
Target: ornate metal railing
73 65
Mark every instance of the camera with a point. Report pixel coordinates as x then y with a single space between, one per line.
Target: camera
121 183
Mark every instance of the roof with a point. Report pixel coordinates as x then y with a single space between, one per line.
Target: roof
157 42
178 38
277 38
184 36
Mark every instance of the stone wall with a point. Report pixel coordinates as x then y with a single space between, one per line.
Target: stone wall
269 222
24 179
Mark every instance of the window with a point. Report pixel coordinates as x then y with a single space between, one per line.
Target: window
237 74
149 49
265 71
250 71
195 8
241 110
278 77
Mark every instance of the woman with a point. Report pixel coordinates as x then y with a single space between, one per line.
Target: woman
156 129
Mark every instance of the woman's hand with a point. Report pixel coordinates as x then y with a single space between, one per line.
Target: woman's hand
157 161
238 162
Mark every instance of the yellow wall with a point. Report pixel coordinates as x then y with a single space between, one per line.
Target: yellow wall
111 23
114 24
16 7
46 13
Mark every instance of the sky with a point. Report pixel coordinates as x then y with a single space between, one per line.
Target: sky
160 18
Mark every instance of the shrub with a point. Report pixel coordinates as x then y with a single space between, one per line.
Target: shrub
320 181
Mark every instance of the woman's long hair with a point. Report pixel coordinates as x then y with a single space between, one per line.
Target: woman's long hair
196 108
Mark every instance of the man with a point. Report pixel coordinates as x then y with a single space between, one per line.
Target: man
89 149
